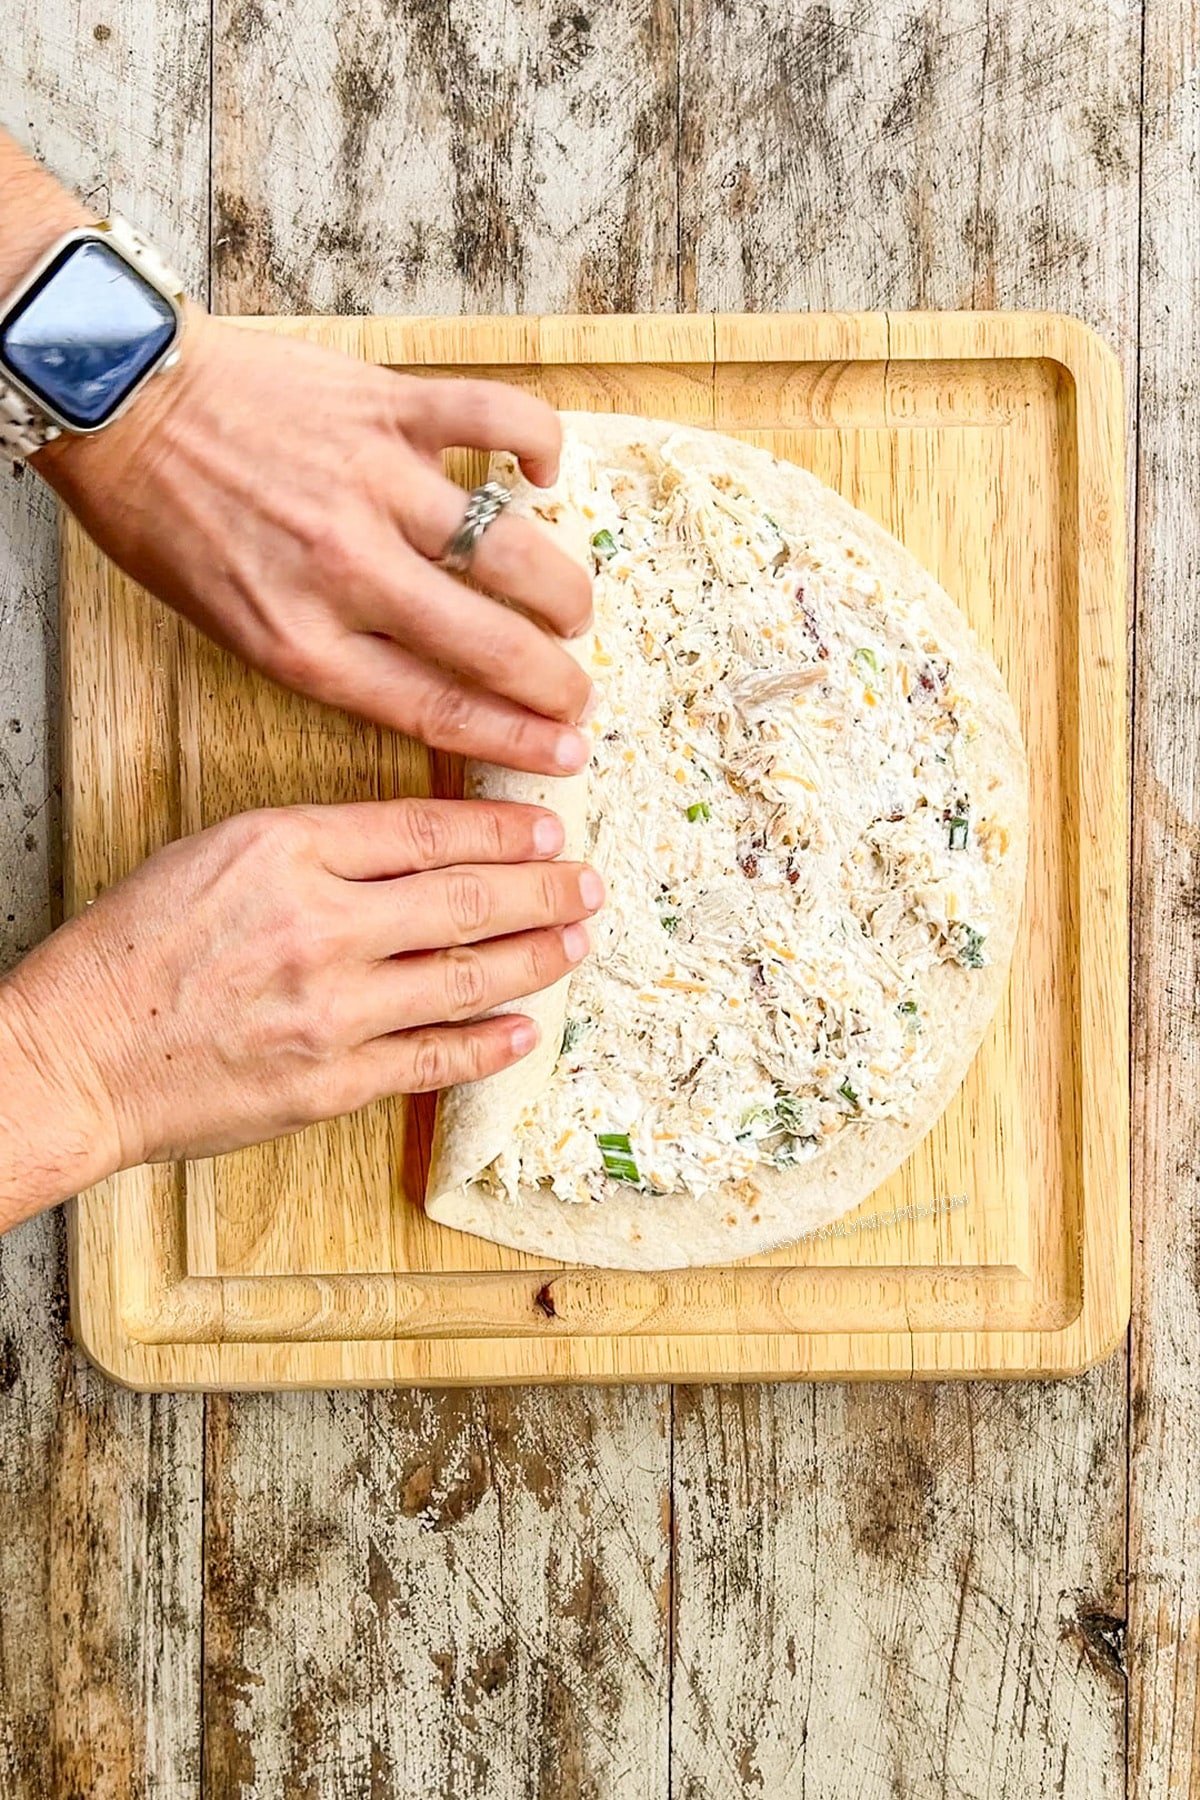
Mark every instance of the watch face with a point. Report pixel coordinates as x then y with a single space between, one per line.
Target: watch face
86 333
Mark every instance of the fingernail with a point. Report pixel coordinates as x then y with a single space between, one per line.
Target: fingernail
592 707
523 1036
548 835
591 889
576 942
571 752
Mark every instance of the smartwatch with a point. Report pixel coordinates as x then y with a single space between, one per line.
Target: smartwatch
97 318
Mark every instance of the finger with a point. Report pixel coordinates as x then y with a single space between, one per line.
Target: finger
373 676
488 415
441 1056
368 840
446 986
516 558
470 904
491 645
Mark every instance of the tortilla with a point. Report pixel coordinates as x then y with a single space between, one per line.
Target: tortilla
628 1226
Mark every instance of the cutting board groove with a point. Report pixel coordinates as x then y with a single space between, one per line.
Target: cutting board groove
991 444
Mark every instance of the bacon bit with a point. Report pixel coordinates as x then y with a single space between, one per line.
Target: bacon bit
682 987
748 863
792 875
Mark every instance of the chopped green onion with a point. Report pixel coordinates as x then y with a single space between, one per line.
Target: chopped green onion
773 523
699 809
908 1008
757 1115
789 1115
848 1093
970 947
669 923
573 1030
866 659
617 1152
604 544
958 833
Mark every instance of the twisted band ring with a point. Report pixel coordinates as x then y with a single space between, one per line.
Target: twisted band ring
484 506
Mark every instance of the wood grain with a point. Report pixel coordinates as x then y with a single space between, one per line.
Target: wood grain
310 1261
473 1590
956 153
472 158
936 153
100 1491
1164 1573
406 158
847 1619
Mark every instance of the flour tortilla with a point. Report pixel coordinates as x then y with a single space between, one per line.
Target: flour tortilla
636 1230
475 1121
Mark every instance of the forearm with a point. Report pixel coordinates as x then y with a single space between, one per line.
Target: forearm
54 1137
34 211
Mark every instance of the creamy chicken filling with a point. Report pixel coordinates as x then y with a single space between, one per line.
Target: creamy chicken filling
780 811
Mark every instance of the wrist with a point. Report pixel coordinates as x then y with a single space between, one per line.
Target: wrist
87 471
57 1131
34 212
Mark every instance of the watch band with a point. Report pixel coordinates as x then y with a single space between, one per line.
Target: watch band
24 428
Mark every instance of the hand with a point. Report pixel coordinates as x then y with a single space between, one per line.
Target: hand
290 502
286 966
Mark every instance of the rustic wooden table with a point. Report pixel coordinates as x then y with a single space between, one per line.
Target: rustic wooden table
767 1592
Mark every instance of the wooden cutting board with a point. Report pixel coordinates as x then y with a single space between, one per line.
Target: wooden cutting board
992 445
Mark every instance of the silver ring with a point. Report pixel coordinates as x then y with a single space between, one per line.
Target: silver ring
484 506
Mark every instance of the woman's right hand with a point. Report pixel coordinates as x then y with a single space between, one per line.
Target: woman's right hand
291 964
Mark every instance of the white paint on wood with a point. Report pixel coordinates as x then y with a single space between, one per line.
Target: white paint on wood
100 1490
1164 1523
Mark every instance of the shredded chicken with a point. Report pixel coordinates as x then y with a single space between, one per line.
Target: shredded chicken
779 812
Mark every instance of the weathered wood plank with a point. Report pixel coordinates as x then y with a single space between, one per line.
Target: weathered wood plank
498 1561
899 1593
1164 1596
881 1591
99 1490
462 1592
457 158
